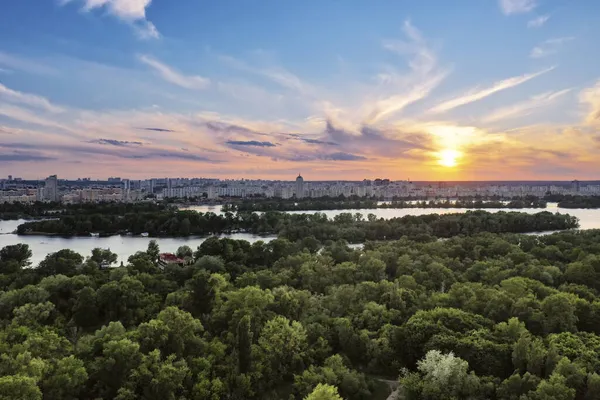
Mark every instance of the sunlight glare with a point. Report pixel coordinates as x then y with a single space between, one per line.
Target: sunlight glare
448 158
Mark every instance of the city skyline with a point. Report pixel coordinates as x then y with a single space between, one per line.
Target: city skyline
501 90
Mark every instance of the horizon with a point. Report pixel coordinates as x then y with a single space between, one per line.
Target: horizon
495 91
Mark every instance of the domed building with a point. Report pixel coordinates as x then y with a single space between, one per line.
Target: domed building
299 187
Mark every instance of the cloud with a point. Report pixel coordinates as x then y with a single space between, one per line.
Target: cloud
223 127
406 90
114 142
276 74
176 155
538 22
130 11
341 156
591 98
478 94
193 82
23 157
146 30
317 141
549 47
510 7
526 107
157 129
250 143
28 99
22 64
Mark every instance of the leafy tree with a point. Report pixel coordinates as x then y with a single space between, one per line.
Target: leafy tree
14 257
244 345
153 251
18 387
63 262
103 256
324 392
282 347
559 313
441 376
554 388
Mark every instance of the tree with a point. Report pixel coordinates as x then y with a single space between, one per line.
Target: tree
351 384
156 379
244 345
441 376
516 386
66 380
554 389
559 313
153 251
103 256
185 252
14 257
19 387
85 309
64 262
593 387
282 348
172 332
324 392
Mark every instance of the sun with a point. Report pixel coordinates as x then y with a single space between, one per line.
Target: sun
448 158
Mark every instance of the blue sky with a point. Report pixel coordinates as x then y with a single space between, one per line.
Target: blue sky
465 89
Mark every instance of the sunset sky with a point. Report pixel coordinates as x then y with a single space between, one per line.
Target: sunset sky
334 89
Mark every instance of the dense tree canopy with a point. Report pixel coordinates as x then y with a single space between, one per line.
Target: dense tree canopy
480 314
354 228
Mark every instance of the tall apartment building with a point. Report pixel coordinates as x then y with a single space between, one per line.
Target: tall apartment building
299 187
51 188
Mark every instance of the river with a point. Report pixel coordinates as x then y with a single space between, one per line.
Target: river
124 246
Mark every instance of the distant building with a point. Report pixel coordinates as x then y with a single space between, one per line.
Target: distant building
51 188
575 186
165 259
299 187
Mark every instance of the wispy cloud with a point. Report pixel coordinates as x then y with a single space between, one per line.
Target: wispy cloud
171 75
157 129
526 107
590 97
478 94
424 77
538 22
510 7
14 96
22 64
130 11
255 143
115 142
340 156
549 47
20 156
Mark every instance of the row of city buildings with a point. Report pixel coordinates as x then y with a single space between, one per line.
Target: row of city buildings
116 189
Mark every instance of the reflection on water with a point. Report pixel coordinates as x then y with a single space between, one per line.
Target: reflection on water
124 246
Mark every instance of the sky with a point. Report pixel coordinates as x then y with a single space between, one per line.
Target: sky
335 89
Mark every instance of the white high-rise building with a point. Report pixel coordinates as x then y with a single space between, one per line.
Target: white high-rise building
51 188
299 187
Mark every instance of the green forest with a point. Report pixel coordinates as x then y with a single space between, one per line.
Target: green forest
355 228
457 308
358 203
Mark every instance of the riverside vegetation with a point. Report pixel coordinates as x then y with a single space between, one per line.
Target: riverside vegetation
479 315
354 228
